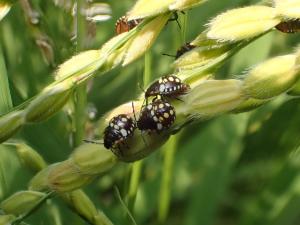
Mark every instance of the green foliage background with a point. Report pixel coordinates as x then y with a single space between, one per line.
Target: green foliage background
234 169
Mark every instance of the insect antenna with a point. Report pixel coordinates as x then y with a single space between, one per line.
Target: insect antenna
93 142
173 56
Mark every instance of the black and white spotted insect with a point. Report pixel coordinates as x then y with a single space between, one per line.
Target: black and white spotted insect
167 86
157 116
291 26
119 129
124 25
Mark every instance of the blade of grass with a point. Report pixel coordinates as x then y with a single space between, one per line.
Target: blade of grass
5 97
5 106
124 205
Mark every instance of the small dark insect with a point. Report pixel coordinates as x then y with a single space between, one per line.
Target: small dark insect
119 129
291 26
156 116
123 25
167 86
183 49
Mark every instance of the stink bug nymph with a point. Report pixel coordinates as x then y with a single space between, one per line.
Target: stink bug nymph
183 49
291 26
167 86
157 116
124 25
119 129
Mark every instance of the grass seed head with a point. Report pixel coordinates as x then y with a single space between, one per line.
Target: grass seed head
4 9
180 5
201 56
213 97
249 105
93 159
288 8
83 63
49 102
10 124
6 219
30 157
145 38
271 78
242 23
21 202
147 8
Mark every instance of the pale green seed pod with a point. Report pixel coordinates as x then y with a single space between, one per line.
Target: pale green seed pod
6 219
271 78
211 98
201 56
249 105
21 202
4 9
30 157
141 145
145 38
81 64
82 204
242 23
288 8
149 8
180 5
49 102
40 181
93 159
10 124
65 176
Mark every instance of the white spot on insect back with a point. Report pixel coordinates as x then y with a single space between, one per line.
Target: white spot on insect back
116 127
177 80
166 115
123 132
149 107
155 118
124 119
161 106
159 126
162 88
171 79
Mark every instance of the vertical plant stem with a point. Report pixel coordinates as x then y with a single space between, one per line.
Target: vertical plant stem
169 150
137 166
134 183
165 190
80 94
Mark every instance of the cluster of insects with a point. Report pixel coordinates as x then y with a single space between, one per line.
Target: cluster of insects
156 116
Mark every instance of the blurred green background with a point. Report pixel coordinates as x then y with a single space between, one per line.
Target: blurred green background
234 169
